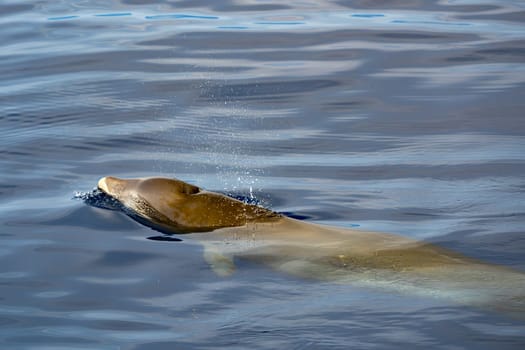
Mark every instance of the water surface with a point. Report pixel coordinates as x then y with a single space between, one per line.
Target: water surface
403 117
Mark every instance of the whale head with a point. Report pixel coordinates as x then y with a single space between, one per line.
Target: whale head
180 207
119 188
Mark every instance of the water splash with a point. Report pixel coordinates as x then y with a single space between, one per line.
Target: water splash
97 198
246 198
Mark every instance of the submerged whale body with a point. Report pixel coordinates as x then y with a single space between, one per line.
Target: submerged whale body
230 228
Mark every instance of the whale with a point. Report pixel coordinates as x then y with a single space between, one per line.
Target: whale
231 230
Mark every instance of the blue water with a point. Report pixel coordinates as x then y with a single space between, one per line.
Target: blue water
399 116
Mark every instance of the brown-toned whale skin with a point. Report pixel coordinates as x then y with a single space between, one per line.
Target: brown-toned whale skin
230 229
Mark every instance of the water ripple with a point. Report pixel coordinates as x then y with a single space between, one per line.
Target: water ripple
398 116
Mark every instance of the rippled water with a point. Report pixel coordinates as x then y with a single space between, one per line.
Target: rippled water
398 116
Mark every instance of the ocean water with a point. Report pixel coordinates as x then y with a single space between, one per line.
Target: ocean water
396 116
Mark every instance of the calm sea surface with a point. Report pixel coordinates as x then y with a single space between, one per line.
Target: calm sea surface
399 116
